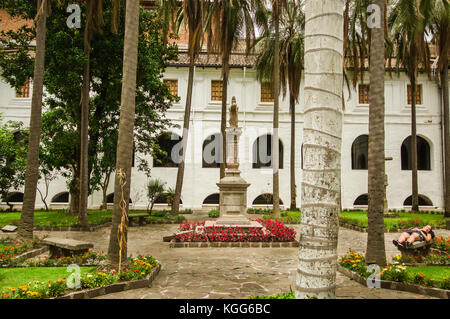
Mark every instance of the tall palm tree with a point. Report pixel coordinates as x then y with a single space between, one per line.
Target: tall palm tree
291 68
376 253
94 22
441 25
409 22
193 14
25 231
227 20
276 106
316 272
117 253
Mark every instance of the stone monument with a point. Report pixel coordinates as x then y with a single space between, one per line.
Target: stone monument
232 187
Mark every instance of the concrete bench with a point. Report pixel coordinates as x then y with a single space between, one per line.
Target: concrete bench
139 217
64 247
418 247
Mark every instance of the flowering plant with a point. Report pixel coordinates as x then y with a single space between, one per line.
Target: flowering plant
355 262
140 268
10 248
273 230
442 243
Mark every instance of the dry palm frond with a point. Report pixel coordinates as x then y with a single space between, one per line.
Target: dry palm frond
123 228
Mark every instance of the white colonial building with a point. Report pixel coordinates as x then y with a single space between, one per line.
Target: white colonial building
255 117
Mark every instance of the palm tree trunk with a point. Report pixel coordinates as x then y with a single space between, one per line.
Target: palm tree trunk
223 120
376 253
444 86
74 206
316 272
84 144
275 139
126 130
25 231
187 116
293 187
415 192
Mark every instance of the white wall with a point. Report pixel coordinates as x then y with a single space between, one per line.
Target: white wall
255 118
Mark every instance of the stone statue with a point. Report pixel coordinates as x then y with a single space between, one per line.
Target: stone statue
233 113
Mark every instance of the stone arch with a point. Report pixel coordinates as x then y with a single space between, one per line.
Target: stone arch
62 197
360 152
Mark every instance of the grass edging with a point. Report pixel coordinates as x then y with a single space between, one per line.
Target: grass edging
393 285
364 229
117 287
241 244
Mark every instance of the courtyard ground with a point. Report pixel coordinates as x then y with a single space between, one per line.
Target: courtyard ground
230 272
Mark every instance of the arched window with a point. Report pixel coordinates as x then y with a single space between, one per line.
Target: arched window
423 154
360 151
265 199
262 152
361 200
61 198
110 199
423 201
212 199
14 197
212 151
163 156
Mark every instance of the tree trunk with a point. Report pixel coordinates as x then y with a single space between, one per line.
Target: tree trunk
223 120
126 130
25 231
293 186
275 138
415 191
74 206
376 253
187 116
84 144
316 273
445 103
104 191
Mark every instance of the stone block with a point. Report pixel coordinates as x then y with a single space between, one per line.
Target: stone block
9 228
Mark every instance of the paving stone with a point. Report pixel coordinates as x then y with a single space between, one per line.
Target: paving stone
222 272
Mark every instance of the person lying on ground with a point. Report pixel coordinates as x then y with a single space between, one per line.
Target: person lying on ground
414 234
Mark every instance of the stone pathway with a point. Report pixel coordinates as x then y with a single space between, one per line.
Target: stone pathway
230 272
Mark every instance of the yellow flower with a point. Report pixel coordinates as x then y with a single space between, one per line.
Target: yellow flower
354 265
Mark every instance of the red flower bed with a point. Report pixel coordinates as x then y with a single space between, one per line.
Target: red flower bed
274 231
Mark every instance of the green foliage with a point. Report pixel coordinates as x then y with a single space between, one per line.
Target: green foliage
141 267
214 213
155 189
63 81
13 153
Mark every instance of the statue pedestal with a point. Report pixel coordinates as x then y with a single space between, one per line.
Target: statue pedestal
233 200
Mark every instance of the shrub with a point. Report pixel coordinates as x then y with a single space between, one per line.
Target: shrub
445 283
214 213
160 213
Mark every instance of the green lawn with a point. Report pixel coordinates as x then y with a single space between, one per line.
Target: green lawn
291 216
436 272
61 218
13 277
360 218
